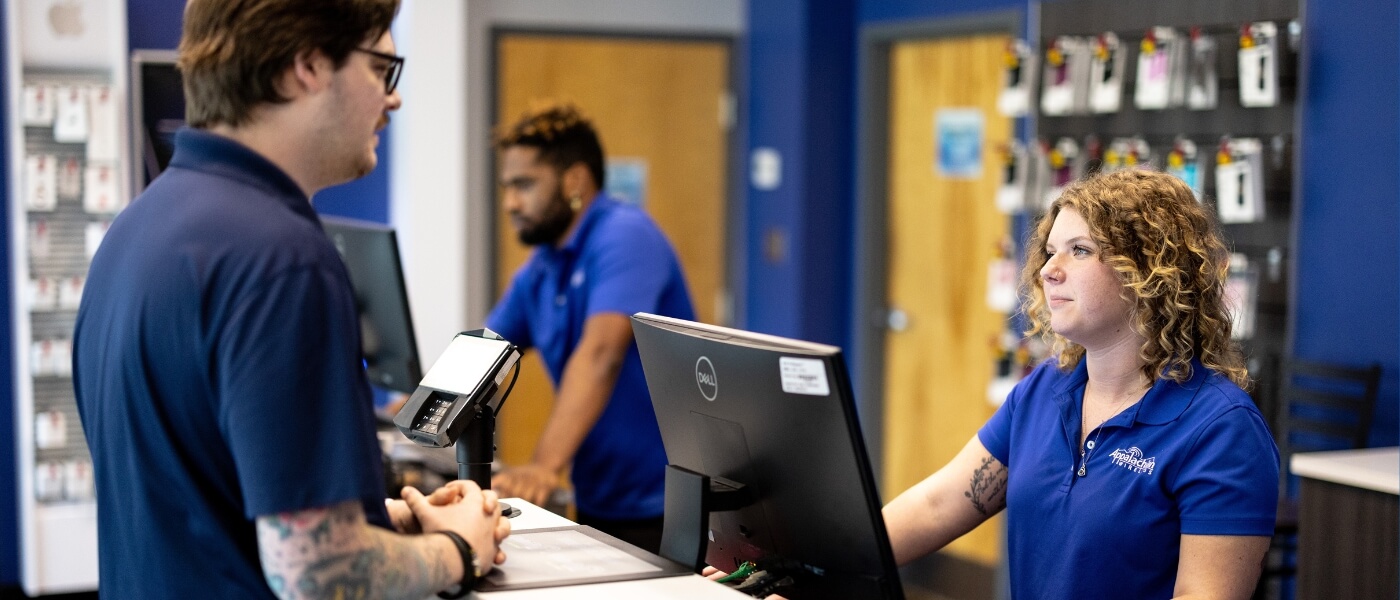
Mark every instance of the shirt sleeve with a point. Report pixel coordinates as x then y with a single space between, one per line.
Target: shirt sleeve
509 317
995 434
1229 484
295 407
631 269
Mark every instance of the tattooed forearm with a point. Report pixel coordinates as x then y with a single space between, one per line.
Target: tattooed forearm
988 489
333 553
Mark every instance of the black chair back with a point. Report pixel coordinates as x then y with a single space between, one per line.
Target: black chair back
1326 407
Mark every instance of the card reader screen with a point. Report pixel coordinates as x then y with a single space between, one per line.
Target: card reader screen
466 362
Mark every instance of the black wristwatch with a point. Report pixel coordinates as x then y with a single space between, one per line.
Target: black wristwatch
469 569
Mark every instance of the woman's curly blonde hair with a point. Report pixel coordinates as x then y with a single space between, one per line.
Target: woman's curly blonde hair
1168 252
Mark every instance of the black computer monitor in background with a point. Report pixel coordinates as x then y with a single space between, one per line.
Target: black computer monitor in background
776 417
371 254
157 112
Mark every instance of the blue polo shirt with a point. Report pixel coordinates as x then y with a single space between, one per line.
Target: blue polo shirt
1193 458
218 375
616 261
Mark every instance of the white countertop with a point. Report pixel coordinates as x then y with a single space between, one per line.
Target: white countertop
1369 468
684 587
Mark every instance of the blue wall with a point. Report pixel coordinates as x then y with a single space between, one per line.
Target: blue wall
1348 250
801 57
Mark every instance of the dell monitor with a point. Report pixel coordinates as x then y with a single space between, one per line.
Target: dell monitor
773 419
371 255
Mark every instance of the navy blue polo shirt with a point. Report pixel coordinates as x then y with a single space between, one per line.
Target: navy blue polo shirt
1193 458
616 261
218 375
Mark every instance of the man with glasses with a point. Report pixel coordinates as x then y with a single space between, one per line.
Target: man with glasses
217 360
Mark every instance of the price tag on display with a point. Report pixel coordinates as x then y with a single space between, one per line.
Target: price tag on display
71 118
70 292
1183 162
70 178
1057 97
1202 86
1154 69
1259 65
48 481
1001 285
1236 197
103 135
38 105
50 430
40 182
92 236
1018 79
63 357
1239 181
41 358
77 480
1106 74
1011 194
100 190
40 239
43 294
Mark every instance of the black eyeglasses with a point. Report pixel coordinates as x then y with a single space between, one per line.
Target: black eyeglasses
392 72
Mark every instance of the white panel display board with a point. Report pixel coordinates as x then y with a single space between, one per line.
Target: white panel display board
68 176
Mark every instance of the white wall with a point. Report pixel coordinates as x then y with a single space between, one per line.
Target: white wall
439 188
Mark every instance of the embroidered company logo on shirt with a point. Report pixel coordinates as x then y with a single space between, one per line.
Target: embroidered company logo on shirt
1132 460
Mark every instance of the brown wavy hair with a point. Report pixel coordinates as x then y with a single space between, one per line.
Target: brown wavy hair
232 51
1169 254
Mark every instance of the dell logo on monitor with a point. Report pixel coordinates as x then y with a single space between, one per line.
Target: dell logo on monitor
705 378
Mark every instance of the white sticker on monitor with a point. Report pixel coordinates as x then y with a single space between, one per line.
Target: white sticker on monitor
806 376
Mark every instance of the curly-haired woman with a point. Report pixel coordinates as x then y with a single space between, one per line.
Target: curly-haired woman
1132 464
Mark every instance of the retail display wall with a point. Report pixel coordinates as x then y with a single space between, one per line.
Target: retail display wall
66 71
1232 137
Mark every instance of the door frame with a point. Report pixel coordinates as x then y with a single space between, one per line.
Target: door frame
871 308
439 138
734 224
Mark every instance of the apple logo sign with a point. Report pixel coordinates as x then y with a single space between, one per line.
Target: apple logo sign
66 18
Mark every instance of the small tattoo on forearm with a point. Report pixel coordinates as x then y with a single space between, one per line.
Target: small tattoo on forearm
988 487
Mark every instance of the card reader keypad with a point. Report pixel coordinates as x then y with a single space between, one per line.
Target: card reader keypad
432 418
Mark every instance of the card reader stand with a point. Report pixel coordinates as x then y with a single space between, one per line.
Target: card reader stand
457 402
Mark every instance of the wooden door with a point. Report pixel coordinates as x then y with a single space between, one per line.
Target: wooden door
943 232
661 103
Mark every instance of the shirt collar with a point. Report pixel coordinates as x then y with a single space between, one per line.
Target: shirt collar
207 152
1167 399
601 203
1161 405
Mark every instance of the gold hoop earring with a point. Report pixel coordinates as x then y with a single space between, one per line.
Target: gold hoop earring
576 202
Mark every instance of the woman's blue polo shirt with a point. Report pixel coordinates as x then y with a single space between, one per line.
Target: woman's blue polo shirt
1191 458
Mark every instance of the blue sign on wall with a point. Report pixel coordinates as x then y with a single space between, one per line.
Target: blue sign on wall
958 133
627 180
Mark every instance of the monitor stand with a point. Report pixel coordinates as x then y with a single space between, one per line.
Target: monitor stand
690 498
